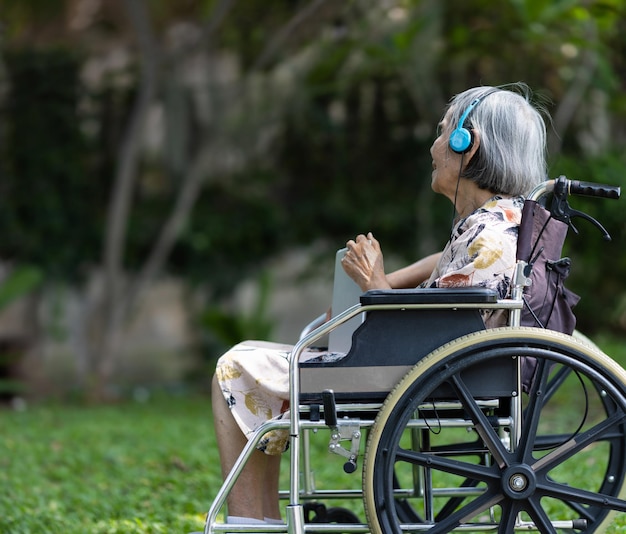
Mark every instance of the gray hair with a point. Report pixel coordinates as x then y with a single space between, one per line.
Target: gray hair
511 158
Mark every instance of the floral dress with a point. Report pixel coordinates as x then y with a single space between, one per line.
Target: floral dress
482 252
254 375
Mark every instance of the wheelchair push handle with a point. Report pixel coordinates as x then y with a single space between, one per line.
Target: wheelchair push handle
590 189
562 211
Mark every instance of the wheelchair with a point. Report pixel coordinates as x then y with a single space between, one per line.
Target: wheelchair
453 427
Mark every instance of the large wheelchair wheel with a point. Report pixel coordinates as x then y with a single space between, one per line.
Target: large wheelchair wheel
436 465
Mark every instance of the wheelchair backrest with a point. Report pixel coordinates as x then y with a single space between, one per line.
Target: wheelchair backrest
547 303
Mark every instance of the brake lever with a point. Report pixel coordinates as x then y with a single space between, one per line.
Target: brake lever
562 211
575 213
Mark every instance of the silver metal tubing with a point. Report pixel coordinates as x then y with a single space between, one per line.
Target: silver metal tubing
295 518
315 323
307 473
294 423
326 494
541 190
229 482
423 527
261 528
400 493
294 397
312 337
486 527
362 528
347 408
328 527
451 423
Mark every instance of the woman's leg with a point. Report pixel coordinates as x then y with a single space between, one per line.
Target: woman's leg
255 494
271 506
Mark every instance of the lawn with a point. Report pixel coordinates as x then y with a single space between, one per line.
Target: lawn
147 467
134 468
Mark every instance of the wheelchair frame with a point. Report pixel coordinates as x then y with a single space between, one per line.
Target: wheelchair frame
514 482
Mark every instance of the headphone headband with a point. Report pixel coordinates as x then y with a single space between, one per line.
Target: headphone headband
461 138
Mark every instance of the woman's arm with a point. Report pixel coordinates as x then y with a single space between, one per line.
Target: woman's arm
414 274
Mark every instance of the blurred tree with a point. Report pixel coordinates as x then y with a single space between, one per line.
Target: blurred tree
221 131
214 153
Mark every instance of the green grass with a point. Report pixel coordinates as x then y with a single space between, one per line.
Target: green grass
128 468
131 468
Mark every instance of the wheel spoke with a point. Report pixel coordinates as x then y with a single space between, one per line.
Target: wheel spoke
532 413
467 513
510 510
552 441
538 515
577 443
481 423
584 512
555 383
569 494
453 503
449 465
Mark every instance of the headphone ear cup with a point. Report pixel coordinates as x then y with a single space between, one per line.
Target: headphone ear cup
461 140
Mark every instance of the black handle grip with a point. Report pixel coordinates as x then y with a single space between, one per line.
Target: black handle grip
590 189
330 410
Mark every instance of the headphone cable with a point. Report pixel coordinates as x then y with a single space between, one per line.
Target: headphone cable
456 194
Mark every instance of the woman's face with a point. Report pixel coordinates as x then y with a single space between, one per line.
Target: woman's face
446 163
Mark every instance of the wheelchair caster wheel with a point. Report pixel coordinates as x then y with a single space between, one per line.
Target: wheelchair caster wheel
321 514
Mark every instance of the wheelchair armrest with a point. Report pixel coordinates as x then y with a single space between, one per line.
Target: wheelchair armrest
430 295
315 323
408 326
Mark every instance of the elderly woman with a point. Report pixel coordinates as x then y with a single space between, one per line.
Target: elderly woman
489 153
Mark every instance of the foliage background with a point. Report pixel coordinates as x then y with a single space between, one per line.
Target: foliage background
203 138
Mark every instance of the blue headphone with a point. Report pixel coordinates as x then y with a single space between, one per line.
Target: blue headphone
461 139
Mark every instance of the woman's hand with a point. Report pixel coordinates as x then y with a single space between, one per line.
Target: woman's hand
363 263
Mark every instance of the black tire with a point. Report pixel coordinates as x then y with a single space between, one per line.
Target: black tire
342 515
566 474
318 513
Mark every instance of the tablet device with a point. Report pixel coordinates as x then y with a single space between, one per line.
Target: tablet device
346 293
